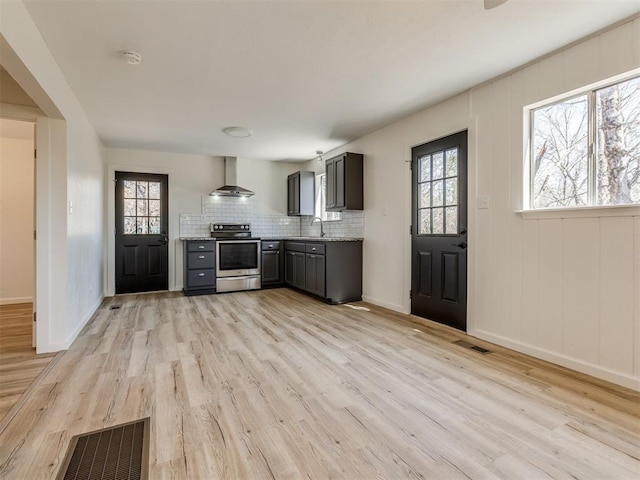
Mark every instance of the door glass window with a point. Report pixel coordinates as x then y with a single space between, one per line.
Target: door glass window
141 207
438 193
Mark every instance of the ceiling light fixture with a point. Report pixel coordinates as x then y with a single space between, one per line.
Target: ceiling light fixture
489 4
238 132
319 153
131 57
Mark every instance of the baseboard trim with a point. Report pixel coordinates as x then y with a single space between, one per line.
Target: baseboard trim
82 324
382 303
13 301
603 373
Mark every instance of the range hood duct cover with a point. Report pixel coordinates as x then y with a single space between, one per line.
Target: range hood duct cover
230 188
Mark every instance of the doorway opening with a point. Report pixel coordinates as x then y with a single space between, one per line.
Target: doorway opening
17 234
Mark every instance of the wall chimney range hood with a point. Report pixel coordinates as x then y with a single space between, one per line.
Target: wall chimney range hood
230 187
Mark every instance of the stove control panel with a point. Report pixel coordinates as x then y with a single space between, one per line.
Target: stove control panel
230 228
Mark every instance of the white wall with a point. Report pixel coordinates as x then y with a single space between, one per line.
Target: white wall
74 173
269 182
560 288
16 216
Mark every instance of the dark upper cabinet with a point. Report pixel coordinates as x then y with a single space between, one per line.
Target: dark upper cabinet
345 182
301 193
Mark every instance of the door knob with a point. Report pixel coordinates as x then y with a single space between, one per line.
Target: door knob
461 245
164 240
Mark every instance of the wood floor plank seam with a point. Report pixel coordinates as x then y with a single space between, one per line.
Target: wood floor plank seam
272 384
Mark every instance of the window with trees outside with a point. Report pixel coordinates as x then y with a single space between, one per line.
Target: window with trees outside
585 150
321 201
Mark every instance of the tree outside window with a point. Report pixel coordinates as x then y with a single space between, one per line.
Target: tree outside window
586 149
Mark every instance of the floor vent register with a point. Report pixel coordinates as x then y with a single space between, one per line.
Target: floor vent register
120 452
466 344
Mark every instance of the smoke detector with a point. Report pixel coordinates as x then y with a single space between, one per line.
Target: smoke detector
131 57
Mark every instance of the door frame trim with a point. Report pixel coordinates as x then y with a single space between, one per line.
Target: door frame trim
470 124
50 139
110 251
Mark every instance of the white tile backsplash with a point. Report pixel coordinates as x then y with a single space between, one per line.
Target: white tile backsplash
242 210
351 225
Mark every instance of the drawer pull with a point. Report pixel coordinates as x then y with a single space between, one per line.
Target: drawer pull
313 249
201 274
270 246
201 246
201 256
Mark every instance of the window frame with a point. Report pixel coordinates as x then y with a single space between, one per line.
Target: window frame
592 138
320 204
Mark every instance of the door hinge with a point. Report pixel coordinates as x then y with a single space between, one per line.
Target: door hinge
410 229
35 314
411 165
410 294
35 153
35 235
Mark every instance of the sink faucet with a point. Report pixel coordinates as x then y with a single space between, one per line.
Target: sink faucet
321 228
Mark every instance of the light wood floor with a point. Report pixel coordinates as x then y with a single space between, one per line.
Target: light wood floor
19 364
272 384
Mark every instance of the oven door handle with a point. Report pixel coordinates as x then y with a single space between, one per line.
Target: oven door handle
219 241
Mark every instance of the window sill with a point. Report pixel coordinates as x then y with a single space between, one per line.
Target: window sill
581 212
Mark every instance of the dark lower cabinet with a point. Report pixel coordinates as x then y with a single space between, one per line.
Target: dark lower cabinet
329 270
272 264
294 269
315 274
199 267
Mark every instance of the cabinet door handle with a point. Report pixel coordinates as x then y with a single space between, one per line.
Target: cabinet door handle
270 246
313 249
201 246
201 274
201 256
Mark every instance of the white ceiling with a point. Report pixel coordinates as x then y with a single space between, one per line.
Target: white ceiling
303 75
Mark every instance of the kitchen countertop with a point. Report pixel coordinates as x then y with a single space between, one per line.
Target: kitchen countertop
306 239
197 238
316 239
